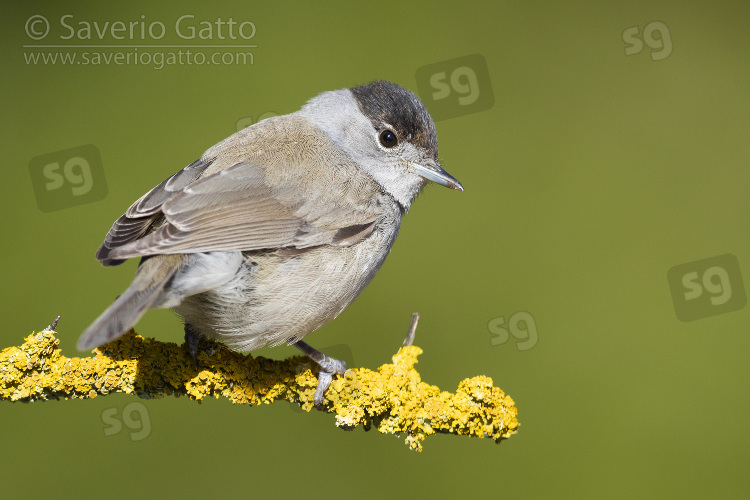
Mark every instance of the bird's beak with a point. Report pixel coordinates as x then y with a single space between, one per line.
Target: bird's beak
436 174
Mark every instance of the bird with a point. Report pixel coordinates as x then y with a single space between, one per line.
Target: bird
275 230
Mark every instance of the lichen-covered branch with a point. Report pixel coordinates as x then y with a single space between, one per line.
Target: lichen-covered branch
392 399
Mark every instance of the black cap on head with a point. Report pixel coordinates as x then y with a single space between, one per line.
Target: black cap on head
387 104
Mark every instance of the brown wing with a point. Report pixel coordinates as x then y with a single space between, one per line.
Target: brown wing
244 208
146 212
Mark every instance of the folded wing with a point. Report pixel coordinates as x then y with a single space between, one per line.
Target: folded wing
234 209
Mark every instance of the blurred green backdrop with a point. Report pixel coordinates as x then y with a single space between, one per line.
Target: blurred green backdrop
616 148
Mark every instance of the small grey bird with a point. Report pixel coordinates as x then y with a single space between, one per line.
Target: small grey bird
275 230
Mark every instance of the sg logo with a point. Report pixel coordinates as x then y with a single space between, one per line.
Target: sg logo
526 334
456 87
661 46
463 81
68 178
134 416
707 287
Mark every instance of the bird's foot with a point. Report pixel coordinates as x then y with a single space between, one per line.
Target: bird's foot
328 368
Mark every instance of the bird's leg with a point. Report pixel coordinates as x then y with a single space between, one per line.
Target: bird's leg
192 339
328 368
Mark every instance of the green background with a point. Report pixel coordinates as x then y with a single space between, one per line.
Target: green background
591 176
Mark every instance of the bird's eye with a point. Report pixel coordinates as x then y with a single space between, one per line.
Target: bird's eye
388 138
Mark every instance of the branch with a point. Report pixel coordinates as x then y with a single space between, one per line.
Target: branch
392 399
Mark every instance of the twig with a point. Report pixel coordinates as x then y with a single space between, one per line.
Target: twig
392 399
409 340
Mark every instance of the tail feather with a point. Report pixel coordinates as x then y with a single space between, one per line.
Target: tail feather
147 287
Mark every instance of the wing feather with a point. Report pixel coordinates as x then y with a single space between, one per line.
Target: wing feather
205 207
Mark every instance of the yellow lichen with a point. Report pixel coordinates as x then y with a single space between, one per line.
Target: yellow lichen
393 399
